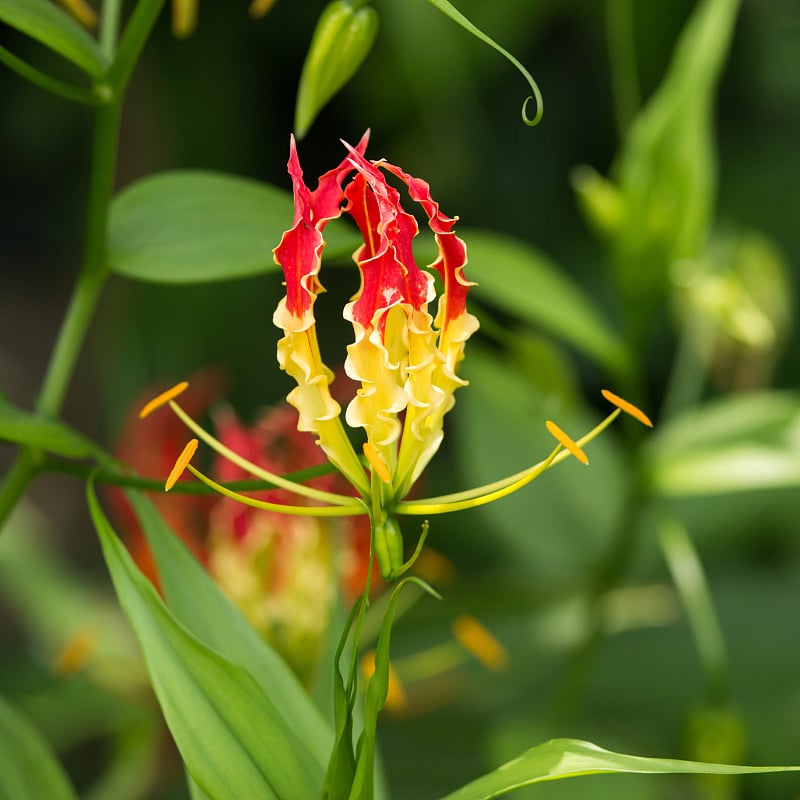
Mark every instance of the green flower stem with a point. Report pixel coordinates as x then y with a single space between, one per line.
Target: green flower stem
133 38
68 345
109 27
82 304
101 186
15 482
690 367
690 580
93 270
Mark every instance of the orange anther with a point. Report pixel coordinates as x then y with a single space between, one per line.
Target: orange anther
82 12
396 699
258 8
477 639
180 465
163 398
566 442
376 462
434 567
628 408
75 652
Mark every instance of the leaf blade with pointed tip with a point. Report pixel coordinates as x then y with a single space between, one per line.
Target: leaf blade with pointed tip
733 444
21 427
193 226
199 604
569 758
54 28
233 740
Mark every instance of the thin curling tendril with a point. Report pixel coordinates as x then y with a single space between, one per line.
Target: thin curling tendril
451 11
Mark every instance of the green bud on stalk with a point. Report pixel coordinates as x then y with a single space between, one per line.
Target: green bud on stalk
387 539
342 38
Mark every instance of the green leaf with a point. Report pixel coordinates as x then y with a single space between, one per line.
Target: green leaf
195 792
28 768
199 604
231 737
666 170
518 279
56 29
193 227
55 437
733 444
569 758
377 689
342 764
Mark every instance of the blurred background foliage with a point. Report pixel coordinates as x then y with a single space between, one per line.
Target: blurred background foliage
569 574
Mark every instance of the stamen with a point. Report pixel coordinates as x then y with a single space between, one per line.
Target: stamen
354 506
477 639
180 465
164 398
627 407
252 469
566 442
396 699
376 462
480 496
494 491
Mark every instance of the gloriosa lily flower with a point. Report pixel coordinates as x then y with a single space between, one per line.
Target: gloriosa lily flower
404 356
404 359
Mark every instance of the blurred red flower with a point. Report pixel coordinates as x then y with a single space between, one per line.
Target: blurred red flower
283 572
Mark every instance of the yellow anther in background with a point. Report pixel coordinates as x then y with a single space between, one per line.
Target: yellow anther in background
477 639
566 442
396 699
258 8
628 408
75 653
184 17
82 12
163 398
180 465
434 567
376 462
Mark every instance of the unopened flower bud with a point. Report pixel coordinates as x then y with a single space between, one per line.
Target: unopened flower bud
343 37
